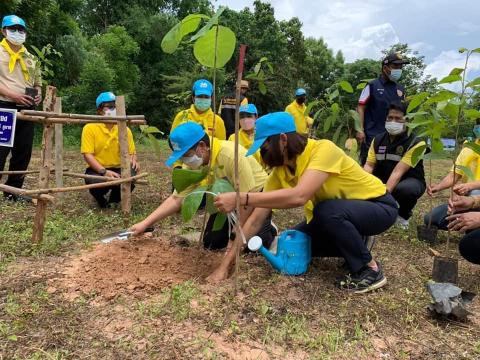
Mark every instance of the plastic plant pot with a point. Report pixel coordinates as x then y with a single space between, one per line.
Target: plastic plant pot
427 234
445 270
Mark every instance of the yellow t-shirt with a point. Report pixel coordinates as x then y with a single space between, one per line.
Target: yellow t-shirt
302 121
205 119
347 179
470 159
246 141
103 143
15 80
406 159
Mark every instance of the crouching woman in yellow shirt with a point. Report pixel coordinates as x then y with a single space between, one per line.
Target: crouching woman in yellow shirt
101 150
342 202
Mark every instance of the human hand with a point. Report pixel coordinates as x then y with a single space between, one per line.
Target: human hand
463 189
113 174
38 99
135 165
22 99
225 202
460 203
360 135
432 189
464 222
138 228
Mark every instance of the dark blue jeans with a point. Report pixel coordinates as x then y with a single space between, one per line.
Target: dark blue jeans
469 246
338 227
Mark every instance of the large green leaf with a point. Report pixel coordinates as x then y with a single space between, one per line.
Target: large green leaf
204 48
417 100
218 187
474 82
183 178
361 86
213 21
467 171
456 71
472 114
346 86
192 202
334 95
327 124
356 120
450 79
477 50
336 134
437 145
220 219
441 96
471 145
310 106
417 154
335 108
172 39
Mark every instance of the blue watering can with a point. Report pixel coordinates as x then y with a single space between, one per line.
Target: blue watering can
294 252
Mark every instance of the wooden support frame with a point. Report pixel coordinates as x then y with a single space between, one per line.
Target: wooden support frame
59 148
125 188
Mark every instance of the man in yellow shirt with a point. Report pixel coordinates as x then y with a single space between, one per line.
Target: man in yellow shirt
194 148
101 150
390 159
297 108
200 111
20 88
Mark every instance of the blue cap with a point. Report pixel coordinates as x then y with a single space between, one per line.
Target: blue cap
182 138
11 20
300 92
104 97
202 87
271 124
249 109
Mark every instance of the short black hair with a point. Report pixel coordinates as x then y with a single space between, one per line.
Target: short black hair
399 106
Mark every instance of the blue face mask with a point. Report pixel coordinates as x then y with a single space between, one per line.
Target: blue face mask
395 74
203 104
476 131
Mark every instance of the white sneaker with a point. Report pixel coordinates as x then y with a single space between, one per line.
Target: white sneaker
402 223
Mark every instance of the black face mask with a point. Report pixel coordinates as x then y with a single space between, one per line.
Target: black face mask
272 157
301 100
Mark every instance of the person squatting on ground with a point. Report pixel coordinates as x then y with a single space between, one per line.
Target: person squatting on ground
390 159
342 202
375 99
465 217
461 184
20 88
101 150
195 149
303 123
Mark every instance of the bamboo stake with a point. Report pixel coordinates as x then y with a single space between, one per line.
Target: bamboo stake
99 177
22 172
124 156
18 191
54 115
238 239
59 148
83 187
43 120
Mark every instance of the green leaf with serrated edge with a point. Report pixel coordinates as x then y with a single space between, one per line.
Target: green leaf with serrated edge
450 79
213 21
220 219
183 178
204 48
471 145
466 171
417 154
416 100
192 202
346 86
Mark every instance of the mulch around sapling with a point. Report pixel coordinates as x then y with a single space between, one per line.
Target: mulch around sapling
136 267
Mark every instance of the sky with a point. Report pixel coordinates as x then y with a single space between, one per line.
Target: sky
362 28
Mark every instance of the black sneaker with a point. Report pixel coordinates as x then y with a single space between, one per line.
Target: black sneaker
363 281
19 198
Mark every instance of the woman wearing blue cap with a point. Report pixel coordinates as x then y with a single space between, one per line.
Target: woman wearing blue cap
342 202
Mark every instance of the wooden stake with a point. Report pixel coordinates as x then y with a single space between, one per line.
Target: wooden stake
59 148
124 155
97 118
99 177
45 120
43 178
18 191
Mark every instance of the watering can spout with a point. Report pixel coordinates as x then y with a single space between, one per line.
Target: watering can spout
255 244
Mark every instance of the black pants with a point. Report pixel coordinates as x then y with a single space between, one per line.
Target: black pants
469 246
21 150
215 240
100 193
407 192
338 226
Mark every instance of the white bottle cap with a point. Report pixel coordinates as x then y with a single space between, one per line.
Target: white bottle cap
255 243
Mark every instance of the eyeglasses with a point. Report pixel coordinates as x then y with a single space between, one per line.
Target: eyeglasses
16 28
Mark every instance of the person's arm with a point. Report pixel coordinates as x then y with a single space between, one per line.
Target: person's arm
464 222
18 98
251 227
371 159
360 135
400 169
97 167
464 189
169 207
368 167
289 198
446 182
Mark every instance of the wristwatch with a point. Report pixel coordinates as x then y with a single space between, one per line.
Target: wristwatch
103 172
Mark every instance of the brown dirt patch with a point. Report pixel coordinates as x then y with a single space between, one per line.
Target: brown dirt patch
136 267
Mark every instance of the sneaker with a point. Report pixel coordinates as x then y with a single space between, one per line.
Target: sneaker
402 223
19 198
364 281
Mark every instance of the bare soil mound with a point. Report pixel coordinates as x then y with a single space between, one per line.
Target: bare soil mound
136 267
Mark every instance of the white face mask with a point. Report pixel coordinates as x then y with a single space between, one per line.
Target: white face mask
394 128
193 162
247 123
16 37
110 112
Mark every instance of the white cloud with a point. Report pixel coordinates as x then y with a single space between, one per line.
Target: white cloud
466 28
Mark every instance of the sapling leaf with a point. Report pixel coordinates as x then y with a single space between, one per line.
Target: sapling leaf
213 21
441 96
471 145
204 48
346 86
456 71
192 202
466 171
474 82
437 145
172 39
416 100
220 219
417 154
450 79
462 50
218 187
477 50
472 114
183 178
